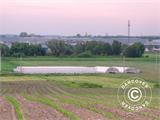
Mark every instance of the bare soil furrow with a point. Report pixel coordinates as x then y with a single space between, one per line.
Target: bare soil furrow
121 113
7 111
37 111
83 113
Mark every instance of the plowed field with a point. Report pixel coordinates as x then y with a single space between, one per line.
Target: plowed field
50 100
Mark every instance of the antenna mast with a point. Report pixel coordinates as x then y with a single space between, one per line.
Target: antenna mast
124 58
129 26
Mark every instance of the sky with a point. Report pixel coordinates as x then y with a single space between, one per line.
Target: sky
69 17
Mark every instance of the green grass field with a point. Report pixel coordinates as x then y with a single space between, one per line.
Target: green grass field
88 91
149 66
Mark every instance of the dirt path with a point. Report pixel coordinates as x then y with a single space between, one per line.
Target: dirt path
36 111
7 111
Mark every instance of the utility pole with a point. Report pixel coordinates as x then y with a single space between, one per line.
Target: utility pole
129 26
128 40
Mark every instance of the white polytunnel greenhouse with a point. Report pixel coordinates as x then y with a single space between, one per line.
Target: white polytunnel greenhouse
73 69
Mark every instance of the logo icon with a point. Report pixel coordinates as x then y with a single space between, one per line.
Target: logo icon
134 94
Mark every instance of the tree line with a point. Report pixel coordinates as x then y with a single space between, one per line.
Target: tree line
22 50
95 48
81 49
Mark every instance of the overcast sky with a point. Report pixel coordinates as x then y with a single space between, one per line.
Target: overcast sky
69 17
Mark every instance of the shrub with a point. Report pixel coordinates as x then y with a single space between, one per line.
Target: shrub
90 85
82 84
86 54
146 56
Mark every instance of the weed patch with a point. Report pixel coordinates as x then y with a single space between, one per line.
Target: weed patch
81 84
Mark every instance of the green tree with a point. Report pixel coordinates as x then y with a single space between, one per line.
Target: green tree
107 49
91 46
79 48
135 50
59 48
19 49
116 48
102 49
36 50
95 48
69 50
23 34
4 50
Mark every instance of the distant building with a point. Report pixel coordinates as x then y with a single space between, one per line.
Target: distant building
153 45
1 42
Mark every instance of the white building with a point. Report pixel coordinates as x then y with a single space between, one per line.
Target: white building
153 45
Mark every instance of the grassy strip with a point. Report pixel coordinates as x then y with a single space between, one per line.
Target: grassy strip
51 58
16 105
50 102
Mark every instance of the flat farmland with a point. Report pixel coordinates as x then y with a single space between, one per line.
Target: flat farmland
148 65
74 97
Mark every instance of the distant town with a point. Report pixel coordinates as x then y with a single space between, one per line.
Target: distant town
152 43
